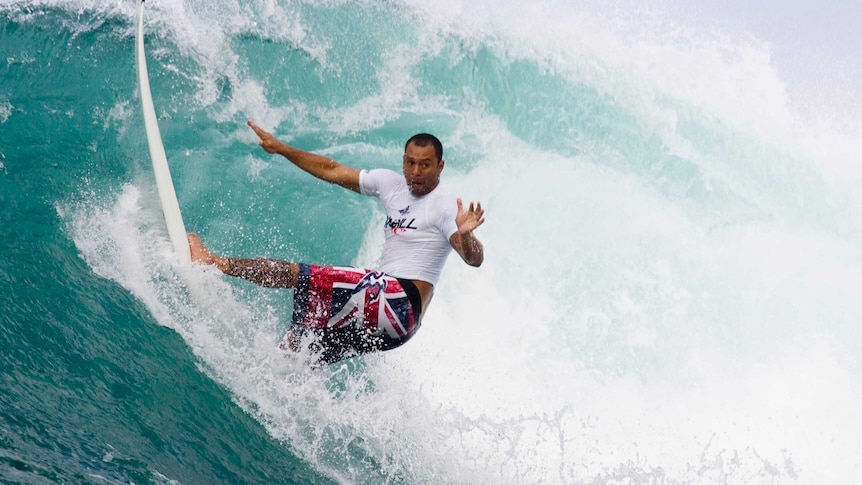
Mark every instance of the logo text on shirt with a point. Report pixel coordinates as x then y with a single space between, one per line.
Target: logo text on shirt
400 225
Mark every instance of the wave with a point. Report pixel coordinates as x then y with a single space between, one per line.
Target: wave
669 293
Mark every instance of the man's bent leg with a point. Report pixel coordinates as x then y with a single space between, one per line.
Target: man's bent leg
271 273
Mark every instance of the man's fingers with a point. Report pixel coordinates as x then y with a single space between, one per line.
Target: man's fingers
474 210
258 131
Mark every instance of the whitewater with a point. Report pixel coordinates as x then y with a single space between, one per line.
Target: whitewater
672 288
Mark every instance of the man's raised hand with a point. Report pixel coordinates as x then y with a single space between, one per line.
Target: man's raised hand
470 219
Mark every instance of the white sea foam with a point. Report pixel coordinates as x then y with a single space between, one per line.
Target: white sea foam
5 111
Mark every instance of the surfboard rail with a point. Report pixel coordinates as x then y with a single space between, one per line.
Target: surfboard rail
164 182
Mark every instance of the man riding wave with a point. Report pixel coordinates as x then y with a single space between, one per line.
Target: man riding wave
340 312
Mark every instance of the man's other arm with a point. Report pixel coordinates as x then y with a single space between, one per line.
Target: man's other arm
469 248
463 241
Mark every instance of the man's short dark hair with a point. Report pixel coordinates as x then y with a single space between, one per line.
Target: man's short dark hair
423 140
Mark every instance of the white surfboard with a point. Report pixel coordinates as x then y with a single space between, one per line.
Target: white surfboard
167 194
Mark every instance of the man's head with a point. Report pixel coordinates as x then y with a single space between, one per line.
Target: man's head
423 162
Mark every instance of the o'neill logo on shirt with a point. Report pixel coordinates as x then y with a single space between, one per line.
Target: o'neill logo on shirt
401 225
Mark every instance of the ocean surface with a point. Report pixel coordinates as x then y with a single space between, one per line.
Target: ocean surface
672 289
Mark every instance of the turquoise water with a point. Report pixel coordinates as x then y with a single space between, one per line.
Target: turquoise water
671 291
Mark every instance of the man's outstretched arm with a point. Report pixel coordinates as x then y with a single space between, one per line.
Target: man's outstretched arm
463 241
321 167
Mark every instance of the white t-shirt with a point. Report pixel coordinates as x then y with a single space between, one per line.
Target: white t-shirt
417 228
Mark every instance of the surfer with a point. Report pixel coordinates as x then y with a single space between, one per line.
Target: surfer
340 312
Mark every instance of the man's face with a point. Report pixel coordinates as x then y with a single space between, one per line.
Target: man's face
421 168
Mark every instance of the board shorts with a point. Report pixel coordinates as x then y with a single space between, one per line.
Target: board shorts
340 312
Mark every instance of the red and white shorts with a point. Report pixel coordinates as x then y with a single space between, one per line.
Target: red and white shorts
353 311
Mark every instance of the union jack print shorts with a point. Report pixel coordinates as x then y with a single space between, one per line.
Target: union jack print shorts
341 311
